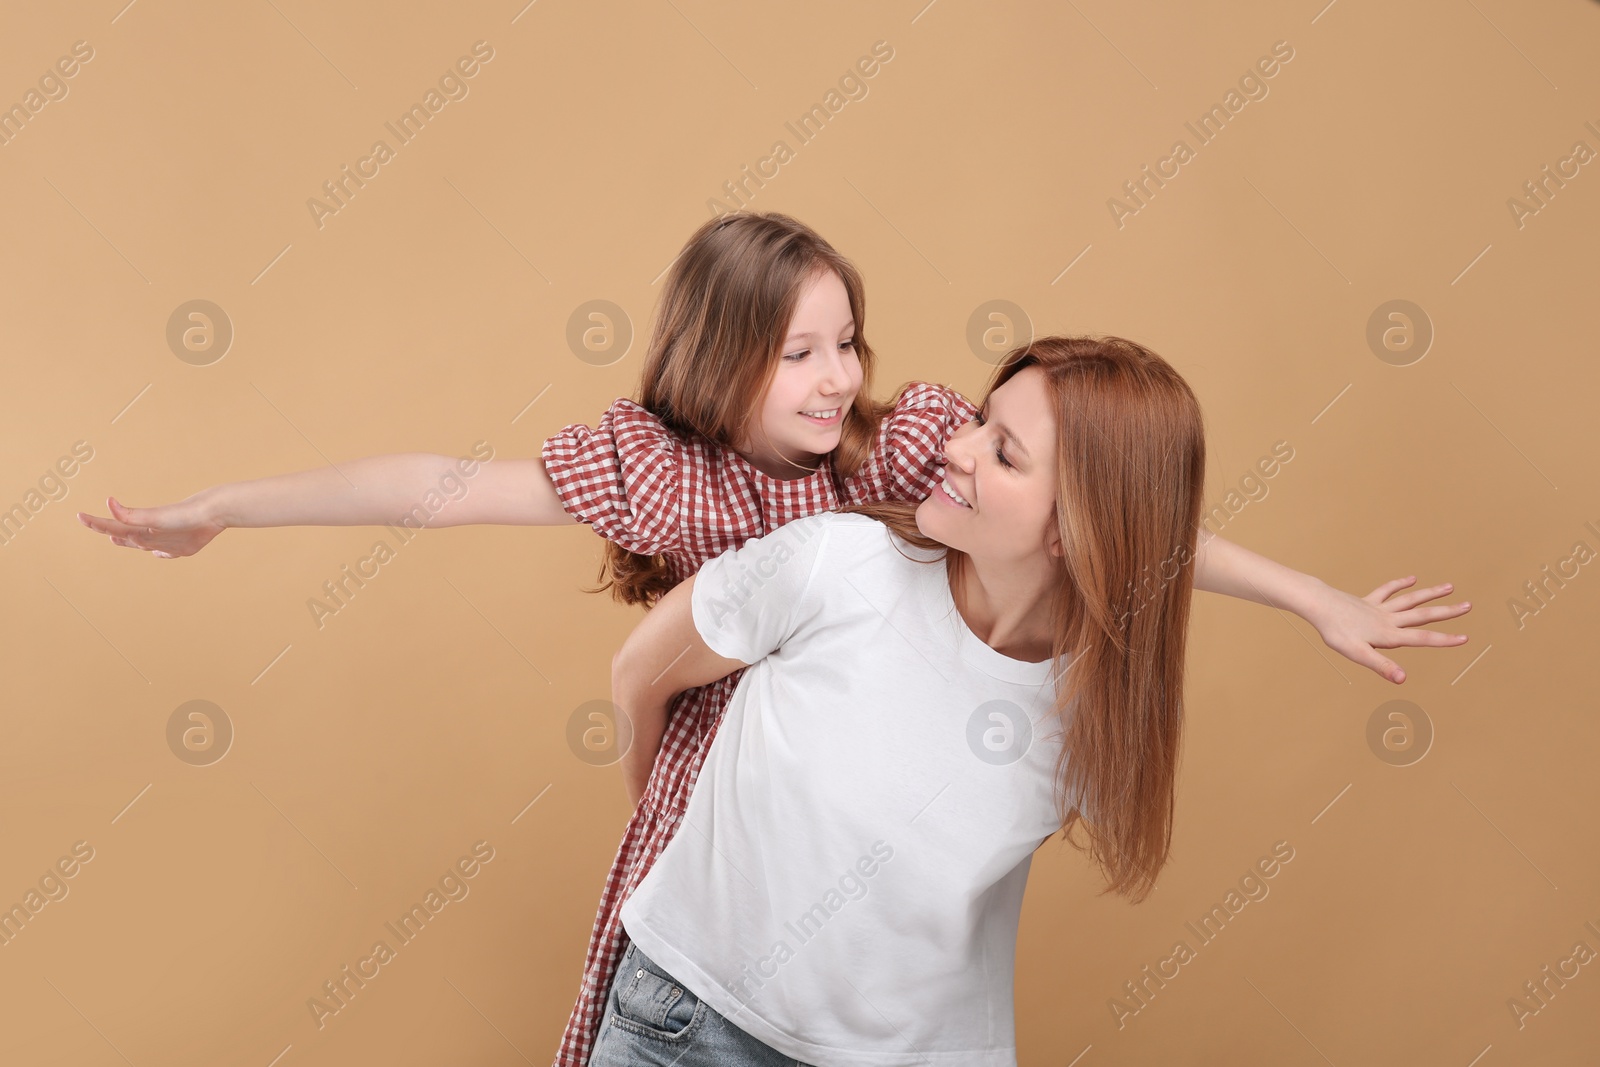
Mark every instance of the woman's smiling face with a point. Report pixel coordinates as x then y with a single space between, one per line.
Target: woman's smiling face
818 371
1003 466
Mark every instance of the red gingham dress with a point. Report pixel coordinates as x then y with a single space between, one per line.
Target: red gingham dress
650 491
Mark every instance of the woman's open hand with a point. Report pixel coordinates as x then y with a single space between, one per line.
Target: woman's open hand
1356 627
168 531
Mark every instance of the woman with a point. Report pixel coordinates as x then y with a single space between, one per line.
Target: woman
848 878
760 327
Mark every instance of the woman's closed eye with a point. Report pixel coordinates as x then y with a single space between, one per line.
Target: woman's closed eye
999 450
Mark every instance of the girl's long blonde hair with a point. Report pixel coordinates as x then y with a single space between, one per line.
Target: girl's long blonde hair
1130 477
718 336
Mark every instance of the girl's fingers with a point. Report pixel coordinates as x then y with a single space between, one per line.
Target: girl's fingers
105 526
115 528
133 517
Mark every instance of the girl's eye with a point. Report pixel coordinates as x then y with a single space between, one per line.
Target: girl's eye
802 355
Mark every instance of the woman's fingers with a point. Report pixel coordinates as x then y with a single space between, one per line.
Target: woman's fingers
1424 616
1418 596
1424 638
1382 593
1385 668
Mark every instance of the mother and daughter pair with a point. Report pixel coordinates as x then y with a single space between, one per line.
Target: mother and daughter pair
892 649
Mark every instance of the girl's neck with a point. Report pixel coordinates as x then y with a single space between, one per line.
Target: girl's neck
784 471
1007 608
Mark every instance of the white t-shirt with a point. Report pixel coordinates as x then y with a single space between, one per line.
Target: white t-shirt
848 877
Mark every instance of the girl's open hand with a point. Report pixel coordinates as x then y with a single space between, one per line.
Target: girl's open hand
1356 627
168 531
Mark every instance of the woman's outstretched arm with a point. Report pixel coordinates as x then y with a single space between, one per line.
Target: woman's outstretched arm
1355 627
1224 567
410 488
663 656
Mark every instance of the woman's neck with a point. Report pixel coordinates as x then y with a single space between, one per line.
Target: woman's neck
1006 607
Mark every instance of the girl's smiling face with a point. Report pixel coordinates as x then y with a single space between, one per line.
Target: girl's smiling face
818 374
1003 465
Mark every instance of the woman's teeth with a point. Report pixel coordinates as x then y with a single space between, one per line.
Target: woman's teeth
952 494
830 413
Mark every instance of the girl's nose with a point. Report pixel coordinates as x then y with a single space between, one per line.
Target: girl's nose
835 374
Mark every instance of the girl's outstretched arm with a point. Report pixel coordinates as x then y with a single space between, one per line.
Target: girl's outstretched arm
411 488
663 656
1355 627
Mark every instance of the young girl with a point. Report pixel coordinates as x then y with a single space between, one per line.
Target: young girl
849 881
755 410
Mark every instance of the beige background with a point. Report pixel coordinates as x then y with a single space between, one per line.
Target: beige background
431 312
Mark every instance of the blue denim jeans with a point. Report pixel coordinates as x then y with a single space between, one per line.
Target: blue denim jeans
652 1018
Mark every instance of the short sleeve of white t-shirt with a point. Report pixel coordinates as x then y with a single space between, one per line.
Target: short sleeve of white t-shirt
749 600
847 879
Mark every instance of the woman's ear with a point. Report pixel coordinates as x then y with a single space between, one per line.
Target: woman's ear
1052 540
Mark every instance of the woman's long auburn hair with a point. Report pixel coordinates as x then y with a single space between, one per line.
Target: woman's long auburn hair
715 346
1130 477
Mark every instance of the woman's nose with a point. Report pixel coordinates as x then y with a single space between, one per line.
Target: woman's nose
955 449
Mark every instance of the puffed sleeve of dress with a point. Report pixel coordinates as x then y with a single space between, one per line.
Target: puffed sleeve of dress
623 477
